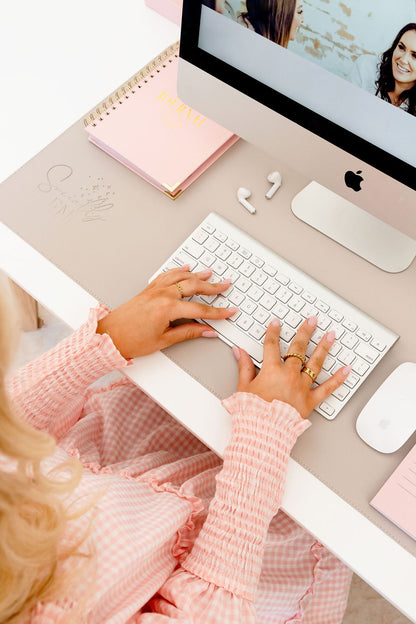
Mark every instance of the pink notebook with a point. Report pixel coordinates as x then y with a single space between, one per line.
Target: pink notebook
145 126
397 498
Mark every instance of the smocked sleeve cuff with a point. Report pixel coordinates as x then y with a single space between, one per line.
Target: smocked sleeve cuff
229 549
49 392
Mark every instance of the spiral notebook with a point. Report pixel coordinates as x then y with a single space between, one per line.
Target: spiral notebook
146 127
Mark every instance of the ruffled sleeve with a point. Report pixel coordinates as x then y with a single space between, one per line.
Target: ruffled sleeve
50 391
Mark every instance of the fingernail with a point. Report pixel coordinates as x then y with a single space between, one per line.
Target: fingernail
330 336
346 370
312 321
275 323
227 280
210 334
232 310
236 352
185 267
206 273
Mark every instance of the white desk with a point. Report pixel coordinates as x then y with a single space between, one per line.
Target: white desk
55 67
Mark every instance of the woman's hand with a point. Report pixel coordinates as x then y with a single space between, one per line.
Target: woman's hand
143 324
285 380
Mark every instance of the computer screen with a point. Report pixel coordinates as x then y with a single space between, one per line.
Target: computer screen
328 86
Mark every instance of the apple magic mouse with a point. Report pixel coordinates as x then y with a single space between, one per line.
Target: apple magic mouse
389 418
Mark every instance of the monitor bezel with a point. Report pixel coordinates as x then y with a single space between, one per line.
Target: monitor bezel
351 143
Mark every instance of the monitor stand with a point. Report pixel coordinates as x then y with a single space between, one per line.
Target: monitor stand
354 228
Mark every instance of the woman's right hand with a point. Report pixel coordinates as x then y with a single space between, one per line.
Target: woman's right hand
285 380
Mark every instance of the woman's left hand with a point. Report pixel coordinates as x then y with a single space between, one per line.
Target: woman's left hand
143 324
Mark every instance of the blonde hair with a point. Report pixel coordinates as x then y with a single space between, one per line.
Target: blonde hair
33 516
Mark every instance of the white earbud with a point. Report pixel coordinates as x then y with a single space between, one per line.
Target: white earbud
242 195
276 179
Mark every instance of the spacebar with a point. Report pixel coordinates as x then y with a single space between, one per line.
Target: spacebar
233 335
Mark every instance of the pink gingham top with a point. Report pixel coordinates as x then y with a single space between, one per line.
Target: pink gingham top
178 536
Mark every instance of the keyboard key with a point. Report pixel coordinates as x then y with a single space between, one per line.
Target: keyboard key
295 288
183 258
317 336
245 322
257 261
328 363
219 267
267 301
247 269
327 408
293 319
200 236
208 299
323 322
349 325
207 258
284 295
235 297
322 306
248 306
280 310
346 357
223 252
235 261
296 303
208 227
232 244
193 249
244 252
309 297
349 340
211 244
360 367
257 331
221 302
259 277
367 352
352 380
261 315
364 335
271 286
335 315
255 292
377 344
269 270
243 284
341 393
335 349
287 334
220 236
283 279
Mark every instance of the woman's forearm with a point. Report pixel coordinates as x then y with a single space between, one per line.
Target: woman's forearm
229 549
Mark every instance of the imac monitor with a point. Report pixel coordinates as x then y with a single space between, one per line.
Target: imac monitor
329 87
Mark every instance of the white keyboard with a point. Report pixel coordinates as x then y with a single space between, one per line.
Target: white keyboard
265 286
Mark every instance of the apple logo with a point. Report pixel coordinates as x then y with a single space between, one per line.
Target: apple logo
353 180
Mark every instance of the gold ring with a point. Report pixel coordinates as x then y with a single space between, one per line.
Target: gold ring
302 358
179 287
309 372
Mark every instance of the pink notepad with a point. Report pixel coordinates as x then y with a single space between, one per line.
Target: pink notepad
397 498
145 126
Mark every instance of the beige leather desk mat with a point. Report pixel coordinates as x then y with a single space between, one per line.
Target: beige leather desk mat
109 230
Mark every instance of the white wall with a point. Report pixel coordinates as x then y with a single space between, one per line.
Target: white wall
336 32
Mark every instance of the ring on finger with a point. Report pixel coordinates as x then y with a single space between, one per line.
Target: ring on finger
179 287
302 358
310 372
